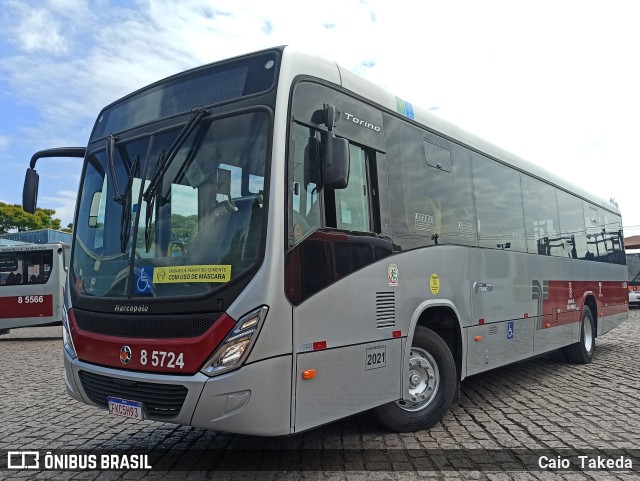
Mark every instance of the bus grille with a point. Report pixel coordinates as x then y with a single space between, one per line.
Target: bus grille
148 327
161 401
385 309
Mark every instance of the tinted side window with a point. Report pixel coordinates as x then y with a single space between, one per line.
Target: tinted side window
594 239
613 237
304 178
430 188
498 205
352 203
572 229
541 218
23 268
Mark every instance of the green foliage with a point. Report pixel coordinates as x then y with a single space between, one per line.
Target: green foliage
183 228
13 217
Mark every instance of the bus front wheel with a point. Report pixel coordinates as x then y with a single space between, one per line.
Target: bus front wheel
432 384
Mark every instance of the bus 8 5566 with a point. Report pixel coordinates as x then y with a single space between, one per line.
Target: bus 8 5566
31 283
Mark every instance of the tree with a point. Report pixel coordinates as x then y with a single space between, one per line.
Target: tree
13 217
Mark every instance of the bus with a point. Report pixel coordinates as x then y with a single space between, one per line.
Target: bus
633 268
270 243
32 278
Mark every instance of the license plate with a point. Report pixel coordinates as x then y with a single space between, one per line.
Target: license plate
125 408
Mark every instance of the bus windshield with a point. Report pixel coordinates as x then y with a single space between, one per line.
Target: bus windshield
197 228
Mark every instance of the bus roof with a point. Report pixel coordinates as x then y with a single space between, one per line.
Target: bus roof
32 247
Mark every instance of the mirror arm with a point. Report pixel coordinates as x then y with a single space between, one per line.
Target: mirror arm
59 152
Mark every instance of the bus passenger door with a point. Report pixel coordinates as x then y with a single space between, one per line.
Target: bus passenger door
346 360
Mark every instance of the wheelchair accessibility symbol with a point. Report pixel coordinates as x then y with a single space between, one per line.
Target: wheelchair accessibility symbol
144 284
510 330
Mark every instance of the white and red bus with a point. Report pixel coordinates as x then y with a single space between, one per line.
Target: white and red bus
32 278
269 243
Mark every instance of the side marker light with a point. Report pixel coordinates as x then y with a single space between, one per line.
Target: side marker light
309 374
478 338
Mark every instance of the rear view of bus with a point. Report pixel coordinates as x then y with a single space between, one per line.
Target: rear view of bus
31 283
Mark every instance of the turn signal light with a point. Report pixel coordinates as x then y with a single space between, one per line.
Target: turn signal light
309 374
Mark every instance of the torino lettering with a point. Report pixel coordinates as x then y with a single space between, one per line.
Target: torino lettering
361 122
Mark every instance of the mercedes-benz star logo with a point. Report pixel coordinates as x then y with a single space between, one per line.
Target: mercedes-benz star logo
125 354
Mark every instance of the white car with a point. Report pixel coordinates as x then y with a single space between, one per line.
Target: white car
634 296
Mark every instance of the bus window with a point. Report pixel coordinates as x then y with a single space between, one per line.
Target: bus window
541 218
352 203
24 268
572 228
498 205
304 177
429 188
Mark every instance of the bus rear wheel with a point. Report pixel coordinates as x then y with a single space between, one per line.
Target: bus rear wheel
432 384
582 352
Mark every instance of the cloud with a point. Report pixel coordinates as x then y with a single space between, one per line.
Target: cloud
64 203
550 81
5 141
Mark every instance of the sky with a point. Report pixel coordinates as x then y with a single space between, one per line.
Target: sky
557 83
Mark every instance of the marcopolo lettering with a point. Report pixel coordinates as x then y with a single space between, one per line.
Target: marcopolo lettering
131 309
362 122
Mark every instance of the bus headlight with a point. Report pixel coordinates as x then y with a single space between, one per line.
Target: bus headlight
66 335
237 345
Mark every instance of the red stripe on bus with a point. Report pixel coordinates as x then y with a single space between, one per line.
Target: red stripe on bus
106 350
26 306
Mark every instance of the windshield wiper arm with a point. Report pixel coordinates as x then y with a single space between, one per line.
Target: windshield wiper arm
162 165
125 222
111 144
165 161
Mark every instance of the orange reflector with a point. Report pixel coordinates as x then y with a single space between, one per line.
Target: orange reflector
309 374
548 324
478 338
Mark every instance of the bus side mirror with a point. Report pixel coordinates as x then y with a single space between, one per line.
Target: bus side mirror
336 152
30 191
336 162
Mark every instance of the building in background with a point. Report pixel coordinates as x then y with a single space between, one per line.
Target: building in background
40 236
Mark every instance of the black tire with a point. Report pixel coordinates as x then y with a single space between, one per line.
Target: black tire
582 352
404 417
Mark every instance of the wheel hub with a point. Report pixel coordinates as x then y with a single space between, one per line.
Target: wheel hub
424 380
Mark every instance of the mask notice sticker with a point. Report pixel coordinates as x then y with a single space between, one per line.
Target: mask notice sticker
201 273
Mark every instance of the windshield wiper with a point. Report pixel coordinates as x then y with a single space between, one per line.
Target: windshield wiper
165 162
162 165
111 144
125 222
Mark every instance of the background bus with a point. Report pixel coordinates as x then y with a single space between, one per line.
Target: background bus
633 268
269 243
32 278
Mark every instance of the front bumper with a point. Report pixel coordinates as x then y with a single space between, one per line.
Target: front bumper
255 399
